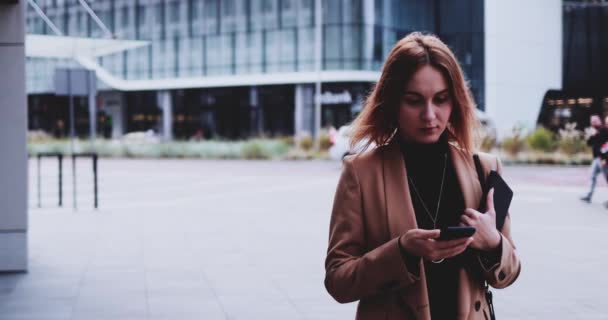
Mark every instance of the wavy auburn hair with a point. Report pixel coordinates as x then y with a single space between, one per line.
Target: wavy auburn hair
378 120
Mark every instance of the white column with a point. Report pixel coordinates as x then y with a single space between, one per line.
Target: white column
304 110
318 68
256 124
522 60
92 90
368 33
164 101
299 111
13 127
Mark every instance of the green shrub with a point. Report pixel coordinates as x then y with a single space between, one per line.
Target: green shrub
288 140
254 150
38 136
324 142
571 141
306 143
250 149
263 149
143 150
542 140
514 143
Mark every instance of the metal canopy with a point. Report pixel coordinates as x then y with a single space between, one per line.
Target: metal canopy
47 46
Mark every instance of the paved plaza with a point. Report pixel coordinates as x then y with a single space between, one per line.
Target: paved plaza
188 239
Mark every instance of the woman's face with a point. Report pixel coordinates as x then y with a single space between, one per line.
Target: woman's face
425 106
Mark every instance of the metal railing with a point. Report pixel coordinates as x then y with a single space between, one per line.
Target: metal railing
59 157
94 157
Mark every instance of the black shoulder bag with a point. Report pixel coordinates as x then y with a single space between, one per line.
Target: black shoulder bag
482 182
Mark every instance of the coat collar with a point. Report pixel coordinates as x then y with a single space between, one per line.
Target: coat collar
400 211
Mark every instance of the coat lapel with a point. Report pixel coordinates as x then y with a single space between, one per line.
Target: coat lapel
400 212
467 177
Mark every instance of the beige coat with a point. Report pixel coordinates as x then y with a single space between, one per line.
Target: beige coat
372 208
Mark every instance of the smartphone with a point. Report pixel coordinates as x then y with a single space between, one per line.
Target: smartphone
451 233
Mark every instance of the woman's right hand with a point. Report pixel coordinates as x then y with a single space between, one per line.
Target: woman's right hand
423 243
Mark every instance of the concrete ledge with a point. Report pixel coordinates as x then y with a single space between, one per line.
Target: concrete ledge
13 251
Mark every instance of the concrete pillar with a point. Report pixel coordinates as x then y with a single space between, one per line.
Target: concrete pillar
165 103
92 90
298 112
304 110
119 118
13 127
256 121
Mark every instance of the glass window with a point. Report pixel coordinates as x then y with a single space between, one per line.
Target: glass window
306 13
306 4
141 15
267 6
352 41
196 9
332 12
353 11
255 51
78 18
174 11
288 14
228 8
125 16
272 51
158 13
242 53
332 50
210 16
288 50
286 5
306 51
196 56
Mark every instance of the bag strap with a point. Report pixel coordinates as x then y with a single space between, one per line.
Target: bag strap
482 181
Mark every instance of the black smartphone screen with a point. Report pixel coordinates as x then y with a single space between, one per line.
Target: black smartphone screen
450 233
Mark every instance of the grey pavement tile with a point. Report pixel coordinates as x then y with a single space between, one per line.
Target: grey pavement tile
20 307
179 284
254 307
11 280
184 307
53 288
88 316
241 280
324 307
111 304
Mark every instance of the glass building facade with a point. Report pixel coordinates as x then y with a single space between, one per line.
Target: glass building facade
218 38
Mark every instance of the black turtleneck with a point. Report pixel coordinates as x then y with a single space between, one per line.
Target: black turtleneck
424 165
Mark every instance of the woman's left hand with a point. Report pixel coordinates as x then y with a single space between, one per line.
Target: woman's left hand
486 236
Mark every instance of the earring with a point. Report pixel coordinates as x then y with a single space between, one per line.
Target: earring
390 138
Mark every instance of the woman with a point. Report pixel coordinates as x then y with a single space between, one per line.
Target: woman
391 201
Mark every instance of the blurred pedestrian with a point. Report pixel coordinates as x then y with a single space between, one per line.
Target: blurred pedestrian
597 135
392 200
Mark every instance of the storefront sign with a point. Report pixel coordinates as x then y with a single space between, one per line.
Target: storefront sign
343 97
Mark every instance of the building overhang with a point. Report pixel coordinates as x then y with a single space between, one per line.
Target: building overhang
279 78
63 47
86 50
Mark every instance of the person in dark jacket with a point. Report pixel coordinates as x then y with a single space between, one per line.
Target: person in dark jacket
598 137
